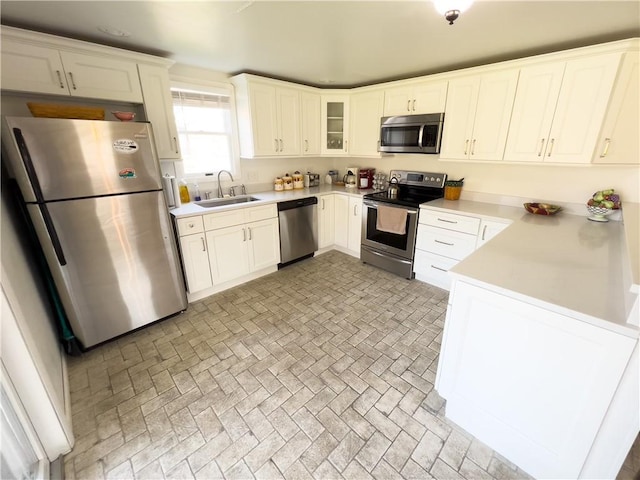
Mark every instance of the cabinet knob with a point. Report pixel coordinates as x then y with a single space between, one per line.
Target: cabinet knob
190 225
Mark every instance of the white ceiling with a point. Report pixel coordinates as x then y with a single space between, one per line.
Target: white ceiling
332 43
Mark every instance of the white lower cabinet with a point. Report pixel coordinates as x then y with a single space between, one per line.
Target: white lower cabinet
445 238
348 223
536 385
195 260
225 246
326 221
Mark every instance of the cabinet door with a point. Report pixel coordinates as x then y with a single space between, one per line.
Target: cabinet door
288 102
158 108
364 117
397 101
228 253
355 224
584 96
429 97
264 119
534 105
310 103
28 68
488 230
493 112
459 116
335 125
619 136
264 244
101 77
326 221
341 212
195 260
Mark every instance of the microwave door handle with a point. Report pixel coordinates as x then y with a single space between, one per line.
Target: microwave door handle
420 135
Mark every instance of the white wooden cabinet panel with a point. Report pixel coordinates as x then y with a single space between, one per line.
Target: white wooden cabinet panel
158 107
355 224
101 77
618 142
584 96
341 204
450 221
310 123
195 260
365 111
326 221
433 269
229 255
532 384
455 245
533 109
264 119
415 98
263 244
488 230
32 68
189 225
288 113
462 99
334 127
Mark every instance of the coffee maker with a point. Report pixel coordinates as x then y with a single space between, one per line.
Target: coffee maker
351 178
365 177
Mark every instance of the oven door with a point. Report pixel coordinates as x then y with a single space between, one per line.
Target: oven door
385 242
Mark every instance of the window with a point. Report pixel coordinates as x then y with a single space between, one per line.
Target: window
204 121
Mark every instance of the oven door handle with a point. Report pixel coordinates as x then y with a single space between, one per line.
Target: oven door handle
375 205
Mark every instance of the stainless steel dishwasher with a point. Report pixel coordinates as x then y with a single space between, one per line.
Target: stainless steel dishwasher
298 229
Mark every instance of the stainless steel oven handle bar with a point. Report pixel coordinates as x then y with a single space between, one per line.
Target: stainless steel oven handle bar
375 205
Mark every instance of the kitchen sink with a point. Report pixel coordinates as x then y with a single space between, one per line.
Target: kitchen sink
219 202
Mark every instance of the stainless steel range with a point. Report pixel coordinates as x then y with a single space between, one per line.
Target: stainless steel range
390 222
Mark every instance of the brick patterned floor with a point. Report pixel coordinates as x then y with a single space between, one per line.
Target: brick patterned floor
322 370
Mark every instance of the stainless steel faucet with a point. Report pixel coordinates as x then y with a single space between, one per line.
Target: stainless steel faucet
219 186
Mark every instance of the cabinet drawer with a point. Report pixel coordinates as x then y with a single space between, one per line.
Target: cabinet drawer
263 212
213 221
451 244
450 221
433 269
189 225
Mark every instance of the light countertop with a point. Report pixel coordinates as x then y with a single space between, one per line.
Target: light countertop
563 262
191 209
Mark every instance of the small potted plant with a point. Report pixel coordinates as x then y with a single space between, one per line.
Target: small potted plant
452 189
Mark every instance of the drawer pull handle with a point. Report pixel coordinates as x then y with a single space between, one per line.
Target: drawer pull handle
541 147
446 221
466 146
607 142
553 140
473 147
204 246
60 78
73 82
408 105
484 231
443 243
244 235
249 228
438 268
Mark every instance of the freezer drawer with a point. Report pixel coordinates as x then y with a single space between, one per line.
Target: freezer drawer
116 267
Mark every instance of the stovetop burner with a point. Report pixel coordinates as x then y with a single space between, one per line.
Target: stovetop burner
414 188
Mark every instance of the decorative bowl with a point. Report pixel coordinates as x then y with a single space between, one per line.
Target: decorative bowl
542 208
599 214
124 116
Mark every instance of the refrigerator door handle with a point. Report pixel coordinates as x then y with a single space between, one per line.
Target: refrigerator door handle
51 230
28 165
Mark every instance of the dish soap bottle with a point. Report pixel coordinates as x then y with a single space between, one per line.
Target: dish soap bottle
196 189
184 192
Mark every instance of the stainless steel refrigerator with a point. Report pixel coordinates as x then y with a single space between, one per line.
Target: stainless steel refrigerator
94 193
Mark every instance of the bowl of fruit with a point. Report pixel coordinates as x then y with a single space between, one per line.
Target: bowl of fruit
601 204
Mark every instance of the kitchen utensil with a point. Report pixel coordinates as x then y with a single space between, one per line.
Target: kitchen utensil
393 188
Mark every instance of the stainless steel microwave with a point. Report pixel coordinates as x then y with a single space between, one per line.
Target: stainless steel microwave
411 133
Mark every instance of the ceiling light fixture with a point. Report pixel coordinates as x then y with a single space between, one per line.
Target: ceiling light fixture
451 9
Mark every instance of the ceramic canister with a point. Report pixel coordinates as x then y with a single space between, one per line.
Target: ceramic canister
298 180
288 182
278 184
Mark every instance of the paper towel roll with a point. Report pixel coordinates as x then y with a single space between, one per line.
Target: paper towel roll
170 187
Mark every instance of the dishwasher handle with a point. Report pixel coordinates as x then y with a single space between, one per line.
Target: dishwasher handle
302 202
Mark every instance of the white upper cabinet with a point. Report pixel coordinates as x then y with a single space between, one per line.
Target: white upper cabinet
268 118
477 116
410 99
559 109
41 69
335 124
365 111
618 141
310 122
158 108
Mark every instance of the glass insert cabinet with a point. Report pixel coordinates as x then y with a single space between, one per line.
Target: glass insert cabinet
335 125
